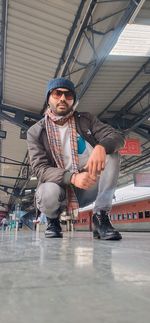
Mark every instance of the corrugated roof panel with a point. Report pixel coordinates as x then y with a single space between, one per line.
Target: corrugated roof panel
40 31
37 33
59 7
15 58
33 20
134 41
34 45
36 36
23 50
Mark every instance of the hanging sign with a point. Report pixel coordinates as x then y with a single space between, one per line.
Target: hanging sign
132 146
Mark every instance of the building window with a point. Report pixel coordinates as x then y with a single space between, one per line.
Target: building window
119 216
129 216
124 216
140 215
147 214
134 215
113 217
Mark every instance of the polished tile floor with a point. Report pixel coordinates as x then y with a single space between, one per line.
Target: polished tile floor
75 279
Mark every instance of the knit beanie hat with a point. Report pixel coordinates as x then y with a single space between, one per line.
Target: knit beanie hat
60 82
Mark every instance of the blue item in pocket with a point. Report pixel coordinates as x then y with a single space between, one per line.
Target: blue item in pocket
81 145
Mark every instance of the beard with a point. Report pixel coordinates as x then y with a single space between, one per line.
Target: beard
61 113
64 113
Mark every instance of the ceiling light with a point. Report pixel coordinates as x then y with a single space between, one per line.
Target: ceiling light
28 191
33 178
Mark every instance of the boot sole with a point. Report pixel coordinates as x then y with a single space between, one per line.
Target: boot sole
114 237
51 236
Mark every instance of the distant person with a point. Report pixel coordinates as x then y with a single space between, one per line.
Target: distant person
4 223
20 224
75 158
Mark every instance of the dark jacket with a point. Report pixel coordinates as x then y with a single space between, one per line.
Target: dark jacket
88 126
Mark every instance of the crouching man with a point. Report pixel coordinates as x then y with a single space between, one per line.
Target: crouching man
75 158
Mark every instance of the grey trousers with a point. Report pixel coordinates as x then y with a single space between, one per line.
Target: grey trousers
50 197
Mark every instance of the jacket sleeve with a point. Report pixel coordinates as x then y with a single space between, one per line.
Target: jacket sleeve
111 139
40 162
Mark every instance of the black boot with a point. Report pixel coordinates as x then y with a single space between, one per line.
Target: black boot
103 228
53 229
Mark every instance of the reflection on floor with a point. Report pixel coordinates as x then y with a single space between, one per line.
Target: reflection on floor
75 279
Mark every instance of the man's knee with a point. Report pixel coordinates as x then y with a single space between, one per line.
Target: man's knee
49 194
112 164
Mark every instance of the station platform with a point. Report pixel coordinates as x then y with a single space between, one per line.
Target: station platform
75 279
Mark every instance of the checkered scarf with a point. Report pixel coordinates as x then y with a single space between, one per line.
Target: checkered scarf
55 145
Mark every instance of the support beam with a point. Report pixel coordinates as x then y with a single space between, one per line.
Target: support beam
142 133
122 123
74 26
10 161
135 160
21 118
142 68
6 187
145 114
4 204
137 98
129 125
84 22
19 183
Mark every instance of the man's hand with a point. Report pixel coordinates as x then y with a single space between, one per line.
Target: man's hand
83 180
96 162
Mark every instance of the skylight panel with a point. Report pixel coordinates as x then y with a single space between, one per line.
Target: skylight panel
134 41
